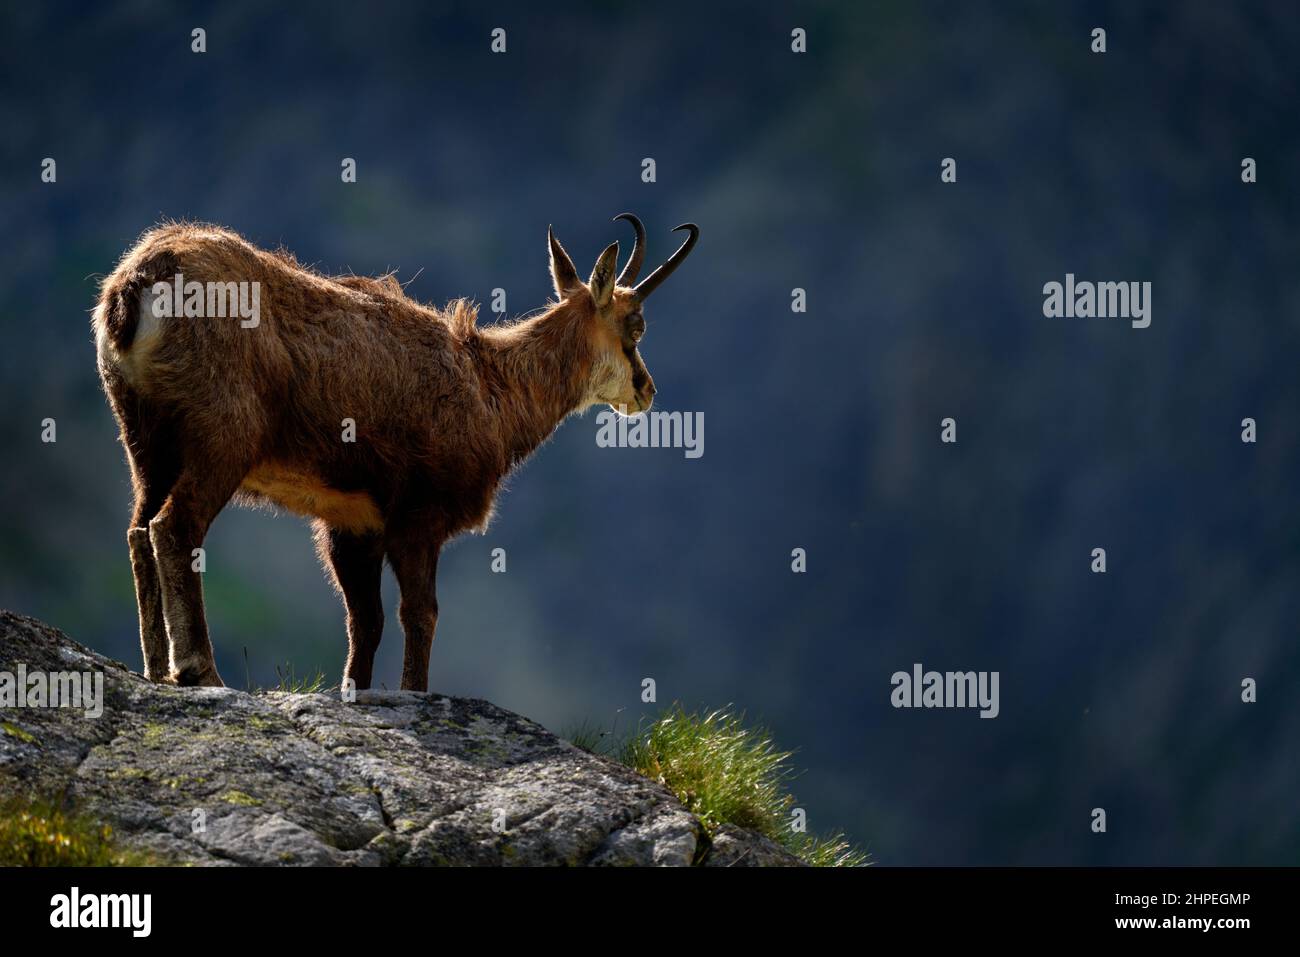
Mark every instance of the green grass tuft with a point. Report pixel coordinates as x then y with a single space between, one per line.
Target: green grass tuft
41 834
292 683
724 773
830 851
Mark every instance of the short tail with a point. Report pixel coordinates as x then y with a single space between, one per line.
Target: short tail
118 314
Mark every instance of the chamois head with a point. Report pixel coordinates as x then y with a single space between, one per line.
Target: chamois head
614 319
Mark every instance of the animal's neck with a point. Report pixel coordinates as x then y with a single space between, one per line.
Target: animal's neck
536 373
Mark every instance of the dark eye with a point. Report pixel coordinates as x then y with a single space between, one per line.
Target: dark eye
636 327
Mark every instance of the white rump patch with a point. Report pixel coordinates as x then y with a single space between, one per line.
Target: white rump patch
133 363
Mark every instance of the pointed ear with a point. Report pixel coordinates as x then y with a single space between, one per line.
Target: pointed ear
562 271
601 282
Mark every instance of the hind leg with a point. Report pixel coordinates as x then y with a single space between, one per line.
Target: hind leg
148 598
180 527
153 471
414 557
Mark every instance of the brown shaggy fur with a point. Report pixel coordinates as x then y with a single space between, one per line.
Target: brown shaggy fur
210 411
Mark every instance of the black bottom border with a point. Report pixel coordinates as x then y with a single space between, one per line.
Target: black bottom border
335 906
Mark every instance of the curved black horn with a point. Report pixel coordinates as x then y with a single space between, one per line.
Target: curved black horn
652 282
633 267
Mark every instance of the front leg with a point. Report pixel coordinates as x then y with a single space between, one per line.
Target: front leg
355 562
414 557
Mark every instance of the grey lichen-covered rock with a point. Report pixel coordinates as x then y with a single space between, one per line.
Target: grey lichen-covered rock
736 847
216 776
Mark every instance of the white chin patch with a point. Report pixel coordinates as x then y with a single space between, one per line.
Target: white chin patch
607 378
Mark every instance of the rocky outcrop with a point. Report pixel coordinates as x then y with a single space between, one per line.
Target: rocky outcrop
216 776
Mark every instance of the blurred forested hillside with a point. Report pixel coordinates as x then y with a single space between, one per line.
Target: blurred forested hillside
818 171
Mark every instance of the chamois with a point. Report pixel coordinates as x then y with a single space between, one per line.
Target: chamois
390 423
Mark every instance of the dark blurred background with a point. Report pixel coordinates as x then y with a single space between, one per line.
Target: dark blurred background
818 171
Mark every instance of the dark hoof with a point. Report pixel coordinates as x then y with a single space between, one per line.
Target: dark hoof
197 678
